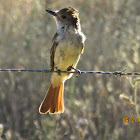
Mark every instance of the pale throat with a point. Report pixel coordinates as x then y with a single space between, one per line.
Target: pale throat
63 29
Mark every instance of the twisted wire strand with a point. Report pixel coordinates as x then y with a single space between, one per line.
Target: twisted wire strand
120 73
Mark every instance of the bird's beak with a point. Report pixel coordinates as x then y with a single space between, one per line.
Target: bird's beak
51 12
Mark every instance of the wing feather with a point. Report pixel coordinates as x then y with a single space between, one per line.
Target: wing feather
52 51
82 50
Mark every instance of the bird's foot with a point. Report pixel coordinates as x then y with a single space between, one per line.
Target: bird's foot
78 72
58 71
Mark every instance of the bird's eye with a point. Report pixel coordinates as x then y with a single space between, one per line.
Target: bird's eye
63 17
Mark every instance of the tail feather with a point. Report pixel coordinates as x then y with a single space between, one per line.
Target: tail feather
53 101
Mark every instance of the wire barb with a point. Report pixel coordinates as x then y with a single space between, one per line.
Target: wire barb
120 73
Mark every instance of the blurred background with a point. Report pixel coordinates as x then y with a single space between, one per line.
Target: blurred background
93 109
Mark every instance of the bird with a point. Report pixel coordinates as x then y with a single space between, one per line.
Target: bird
67 47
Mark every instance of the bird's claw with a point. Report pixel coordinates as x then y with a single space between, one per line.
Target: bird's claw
78 72
58 71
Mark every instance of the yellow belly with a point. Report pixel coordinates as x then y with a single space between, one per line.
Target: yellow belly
66 54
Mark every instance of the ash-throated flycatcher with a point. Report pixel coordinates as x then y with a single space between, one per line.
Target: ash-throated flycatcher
68 45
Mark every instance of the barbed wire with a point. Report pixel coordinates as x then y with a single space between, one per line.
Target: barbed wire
120 73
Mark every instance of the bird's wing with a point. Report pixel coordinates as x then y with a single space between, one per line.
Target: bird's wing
52 51
82 50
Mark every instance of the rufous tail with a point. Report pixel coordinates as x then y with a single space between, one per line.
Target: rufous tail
53 101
